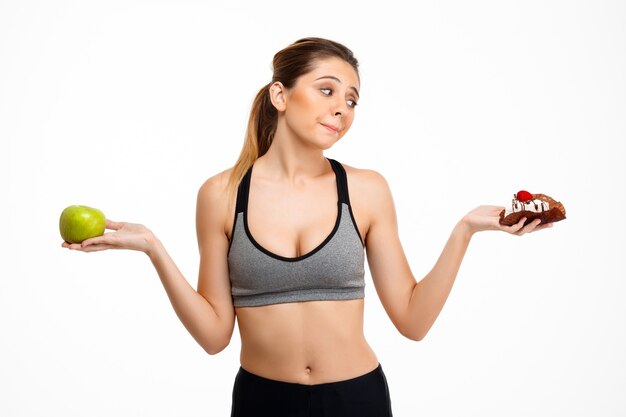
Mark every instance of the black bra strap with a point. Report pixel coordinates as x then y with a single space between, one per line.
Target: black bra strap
342 181
243 191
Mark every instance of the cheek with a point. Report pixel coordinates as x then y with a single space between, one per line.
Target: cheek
303 110
305 100
349 119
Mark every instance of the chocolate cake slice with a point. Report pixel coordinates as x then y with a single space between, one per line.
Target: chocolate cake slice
532 206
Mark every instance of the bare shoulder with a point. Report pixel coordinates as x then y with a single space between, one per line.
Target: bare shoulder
370 196
213 203
215 186
366 185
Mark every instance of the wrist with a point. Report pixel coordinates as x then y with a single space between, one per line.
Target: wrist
464 228
153 244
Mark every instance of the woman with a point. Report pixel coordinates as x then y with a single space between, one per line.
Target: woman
282 236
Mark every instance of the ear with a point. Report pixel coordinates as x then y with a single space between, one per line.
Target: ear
278 95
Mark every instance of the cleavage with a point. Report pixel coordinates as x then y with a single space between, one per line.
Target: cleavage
293 227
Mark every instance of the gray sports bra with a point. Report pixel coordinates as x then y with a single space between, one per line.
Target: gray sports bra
334 270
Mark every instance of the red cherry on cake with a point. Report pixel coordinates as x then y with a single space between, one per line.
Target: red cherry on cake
524 196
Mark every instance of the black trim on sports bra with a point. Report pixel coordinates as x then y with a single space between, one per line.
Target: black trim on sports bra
342 183
243 193
344 195
297 258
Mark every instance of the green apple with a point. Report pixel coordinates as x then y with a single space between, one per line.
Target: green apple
78 223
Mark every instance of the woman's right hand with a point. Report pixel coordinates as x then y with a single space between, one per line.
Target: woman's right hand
125 236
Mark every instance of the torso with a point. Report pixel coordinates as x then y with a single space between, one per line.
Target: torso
309 342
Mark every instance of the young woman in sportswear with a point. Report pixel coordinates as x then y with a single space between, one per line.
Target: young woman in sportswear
283 236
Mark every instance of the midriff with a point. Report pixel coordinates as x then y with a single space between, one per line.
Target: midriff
311 342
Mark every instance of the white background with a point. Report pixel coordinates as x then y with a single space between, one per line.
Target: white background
129 106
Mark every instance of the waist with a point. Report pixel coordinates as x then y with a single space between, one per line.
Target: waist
318 365
333 383
310 342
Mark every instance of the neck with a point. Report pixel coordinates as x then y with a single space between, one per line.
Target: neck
291 161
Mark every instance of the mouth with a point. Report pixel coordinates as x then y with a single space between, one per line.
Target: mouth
331 128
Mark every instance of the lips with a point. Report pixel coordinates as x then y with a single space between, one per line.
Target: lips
331 128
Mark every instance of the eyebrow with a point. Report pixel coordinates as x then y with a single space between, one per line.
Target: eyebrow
332 77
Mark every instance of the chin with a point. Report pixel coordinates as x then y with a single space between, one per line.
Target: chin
327 144
318 141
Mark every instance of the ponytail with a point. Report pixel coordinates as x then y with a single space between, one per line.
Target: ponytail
259 136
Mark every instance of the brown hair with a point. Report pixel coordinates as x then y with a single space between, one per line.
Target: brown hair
288 64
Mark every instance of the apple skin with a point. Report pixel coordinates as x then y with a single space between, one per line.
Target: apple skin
78 223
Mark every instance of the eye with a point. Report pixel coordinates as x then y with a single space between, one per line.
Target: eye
328 91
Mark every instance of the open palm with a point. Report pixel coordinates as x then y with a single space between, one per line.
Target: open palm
488 218
131 236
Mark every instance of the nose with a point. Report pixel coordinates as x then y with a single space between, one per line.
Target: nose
339 107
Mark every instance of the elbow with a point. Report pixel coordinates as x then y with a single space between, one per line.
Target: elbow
213 351
415 334
416 337
215 348
415 330
217 344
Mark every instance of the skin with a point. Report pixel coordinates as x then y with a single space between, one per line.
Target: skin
305 342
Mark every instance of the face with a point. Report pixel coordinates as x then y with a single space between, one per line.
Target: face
319 108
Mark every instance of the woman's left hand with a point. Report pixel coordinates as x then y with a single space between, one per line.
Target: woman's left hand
488 218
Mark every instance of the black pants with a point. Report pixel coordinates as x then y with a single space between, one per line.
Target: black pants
364 396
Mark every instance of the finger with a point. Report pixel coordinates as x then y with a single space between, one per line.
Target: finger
515 228
529 227
98 240
93 248
107 238
533 225
114 225
71 246
96 248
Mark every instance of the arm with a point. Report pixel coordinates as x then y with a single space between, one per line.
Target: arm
195 312
208 314
430 294
414 306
